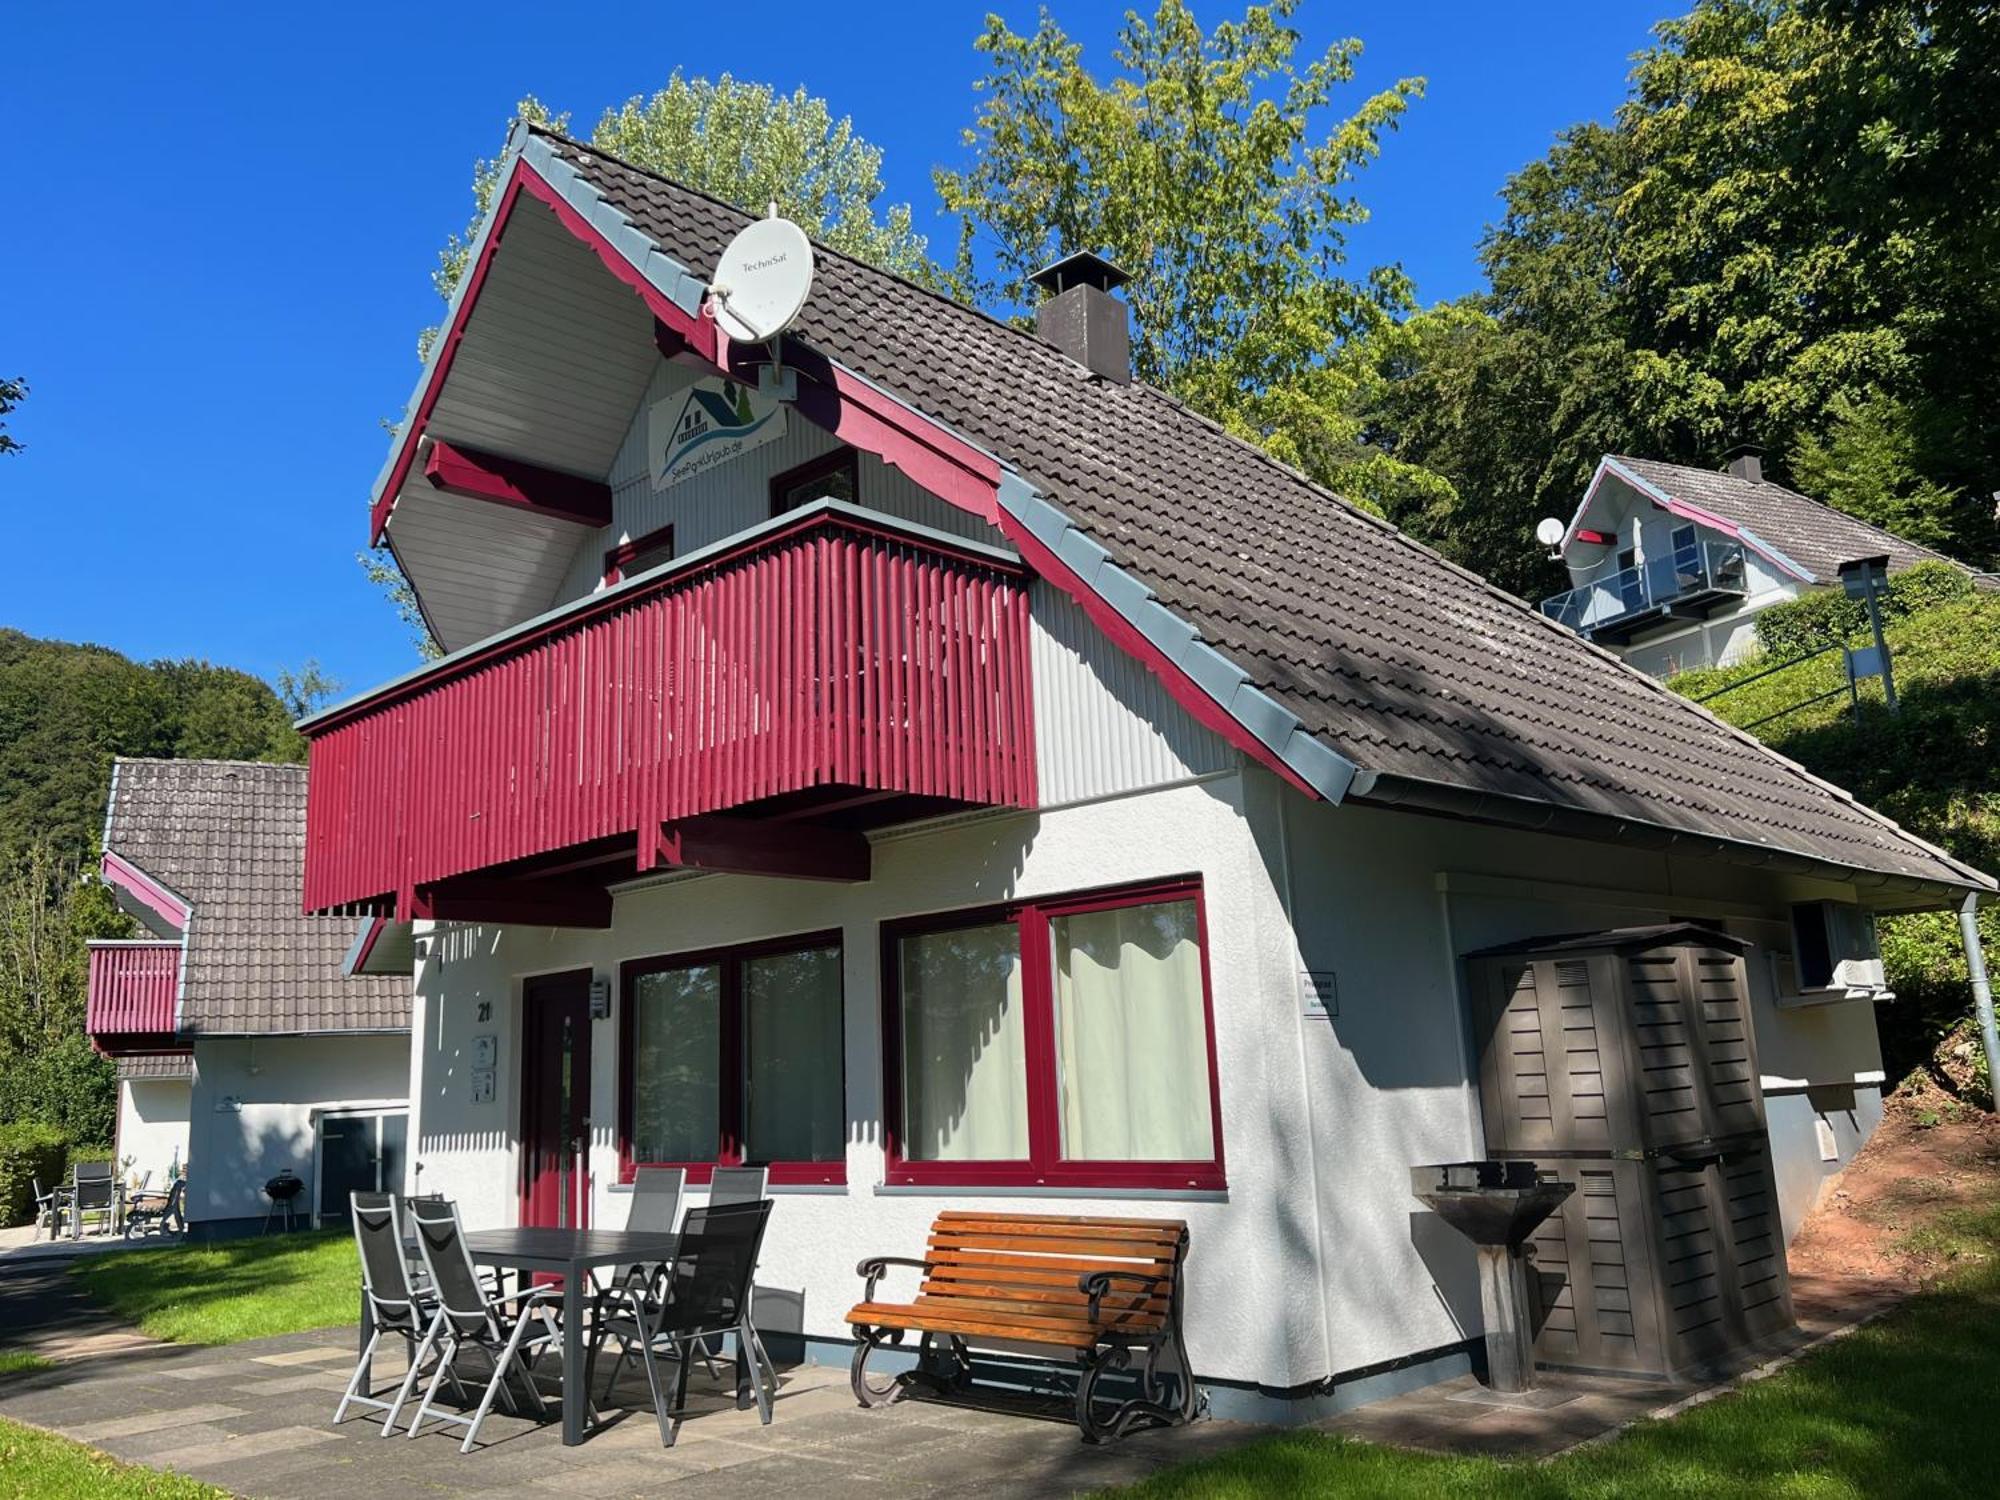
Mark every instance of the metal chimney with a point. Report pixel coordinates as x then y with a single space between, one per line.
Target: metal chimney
1745 461
1082 318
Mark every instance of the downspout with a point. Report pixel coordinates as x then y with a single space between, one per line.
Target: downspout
1982 990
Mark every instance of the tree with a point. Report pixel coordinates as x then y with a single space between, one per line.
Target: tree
306 691
1209 167
12 392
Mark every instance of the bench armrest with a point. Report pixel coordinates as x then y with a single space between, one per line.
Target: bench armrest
1094 1284
872 1268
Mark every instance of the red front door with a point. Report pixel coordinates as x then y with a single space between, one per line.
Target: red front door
555 1101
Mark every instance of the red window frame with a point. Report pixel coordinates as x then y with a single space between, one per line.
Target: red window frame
816 468
617 559
731 1101
1044 1166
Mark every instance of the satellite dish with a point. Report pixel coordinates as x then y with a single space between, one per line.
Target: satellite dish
761 281
1549 531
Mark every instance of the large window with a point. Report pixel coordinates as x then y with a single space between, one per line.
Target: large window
1059 1042
834 475
734 1056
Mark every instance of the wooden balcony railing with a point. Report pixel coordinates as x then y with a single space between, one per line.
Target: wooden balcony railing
836 652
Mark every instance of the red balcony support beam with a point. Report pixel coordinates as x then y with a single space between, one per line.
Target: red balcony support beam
512 481
750 846
497 899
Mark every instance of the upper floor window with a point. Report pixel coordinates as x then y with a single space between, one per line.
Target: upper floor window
733 1056
631 558
834 475
1065 1041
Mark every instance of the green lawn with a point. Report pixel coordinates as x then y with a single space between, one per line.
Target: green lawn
36 1465
1903 1407
240 1289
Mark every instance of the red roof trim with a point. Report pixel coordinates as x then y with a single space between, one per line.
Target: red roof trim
1128 638
147 891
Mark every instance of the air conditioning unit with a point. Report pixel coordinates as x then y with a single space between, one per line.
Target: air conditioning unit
1834 956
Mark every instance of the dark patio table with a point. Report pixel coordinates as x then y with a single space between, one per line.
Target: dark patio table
572 1254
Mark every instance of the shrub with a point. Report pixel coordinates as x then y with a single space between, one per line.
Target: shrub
1827 616
28 1151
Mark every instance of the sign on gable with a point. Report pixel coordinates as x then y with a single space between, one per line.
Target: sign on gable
717 419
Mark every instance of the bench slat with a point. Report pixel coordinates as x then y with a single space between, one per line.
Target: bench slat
1120 1249
925 1320
980 1283
1172 1228
1053 1314
1075 1301
1067 1267
1056 1229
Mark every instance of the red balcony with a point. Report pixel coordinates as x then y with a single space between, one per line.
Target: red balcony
755 707
132 991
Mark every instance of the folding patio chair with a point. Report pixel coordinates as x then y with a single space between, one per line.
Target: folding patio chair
655 1209
93 1190
739 1185
468 1318
158 1213
707 1293
394 1305
50 1208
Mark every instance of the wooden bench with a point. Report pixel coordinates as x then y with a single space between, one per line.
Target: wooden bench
1089 1290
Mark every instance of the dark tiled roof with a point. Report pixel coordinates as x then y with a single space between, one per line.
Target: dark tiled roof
163 1065
229 836
1812 534
1405 664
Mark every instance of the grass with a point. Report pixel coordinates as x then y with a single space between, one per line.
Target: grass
220 1294
1902 1407
36 1465
19 1361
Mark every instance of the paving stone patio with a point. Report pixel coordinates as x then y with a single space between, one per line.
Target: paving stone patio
254 1418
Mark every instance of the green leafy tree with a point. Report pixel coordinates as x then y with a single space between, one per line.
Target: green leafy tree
1219 173
1868 462
12 393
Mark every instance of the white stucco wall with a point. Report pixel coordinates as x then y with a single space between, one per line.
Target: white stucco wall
255 1103
1315 1261
153 1125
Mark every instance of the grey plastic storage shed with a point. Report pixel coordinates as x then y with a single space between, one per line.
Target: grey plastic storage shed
1625 1062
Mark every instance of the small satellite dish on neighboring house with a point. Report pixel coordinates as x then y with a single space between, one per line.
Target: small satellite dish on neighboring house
1549 531
762 280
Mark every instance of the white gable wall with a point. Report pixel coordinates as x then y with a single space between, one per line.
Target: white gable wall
152 1127
731 497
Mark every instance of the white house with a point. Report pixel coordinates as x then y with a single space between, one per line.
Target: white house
1669 565
952 773
243 1047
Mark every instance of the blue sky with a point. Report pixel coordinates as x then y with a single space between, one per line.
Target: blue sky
219 229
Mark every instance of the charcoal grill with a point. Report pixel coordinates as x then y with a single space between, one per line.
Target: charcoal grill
282 1190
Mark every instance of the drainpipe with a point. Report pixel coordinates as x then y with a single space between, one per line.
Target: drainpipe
1982 989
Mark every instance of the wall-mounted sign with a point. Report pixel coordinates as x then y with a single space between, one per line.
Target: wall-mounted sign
715 420
482 1085
1319 992
485 1051
600 999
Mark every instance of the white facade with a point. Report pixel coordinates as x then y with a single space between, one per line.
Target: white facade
152 1128
1314 1261
257 1107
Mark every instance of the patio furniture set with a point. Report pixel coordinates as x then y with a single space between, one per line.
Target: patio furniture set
658 1291
95 1193
667 1287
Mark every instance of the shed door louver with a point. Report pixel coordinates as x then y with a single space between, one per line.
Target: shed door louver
1628 1067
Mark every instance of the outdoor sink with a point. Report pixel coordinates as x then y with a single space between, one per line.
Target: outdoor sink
1496 1205
1489 1202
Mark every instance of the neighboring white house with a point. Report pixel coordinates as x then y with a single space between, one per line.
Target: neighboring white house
953 774
243 1047
1669 565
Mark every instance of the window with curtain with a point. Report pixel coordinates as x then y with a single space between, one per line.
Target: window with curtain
1062 1041
736 1056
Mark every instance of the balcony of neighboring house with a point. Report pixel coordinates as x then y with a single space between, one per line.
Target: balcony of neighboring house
133 988
1696 578
753 707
